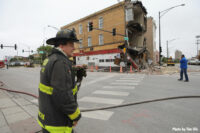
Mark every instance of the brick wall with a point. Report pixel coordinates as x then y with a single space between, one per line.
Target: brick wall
113 17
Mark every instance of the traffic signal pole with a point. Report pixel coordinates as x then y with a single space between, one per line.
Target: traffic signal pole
15 46
27 51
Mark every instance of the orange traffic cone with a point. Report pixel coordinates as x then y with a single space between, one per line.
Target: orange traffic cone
91 69
131 69
97 68
121 69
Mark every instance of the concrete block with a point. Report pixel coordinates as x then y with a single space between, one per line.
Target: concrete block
17 117
2 120
6 102
12 110
5 129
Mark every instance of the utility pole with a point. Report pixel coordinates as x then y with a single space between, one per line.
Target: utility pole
167 51
160 51
160 14
197 37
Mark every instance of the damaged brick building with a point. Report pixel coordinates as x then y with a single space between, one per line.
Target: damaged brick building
99 48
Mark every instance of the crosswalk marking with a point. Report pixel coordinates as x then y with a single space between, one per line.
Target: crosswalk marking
101 100
97 80
128 80
115 93
118 87
101 114
132 78
122 83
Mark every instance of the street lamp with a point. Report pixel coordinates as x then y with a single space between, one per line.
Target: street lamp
197 37
44 32
160 14
168 47
54 27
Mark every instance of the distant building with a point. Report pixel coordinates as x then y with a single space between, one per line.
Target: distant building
101 48
178 54
150 36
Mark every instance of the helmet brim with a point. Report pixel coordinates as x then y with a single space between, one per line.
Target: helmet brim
53 41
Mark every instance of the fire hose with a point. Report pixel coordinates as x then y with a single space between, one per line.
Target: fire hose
112 107
115 106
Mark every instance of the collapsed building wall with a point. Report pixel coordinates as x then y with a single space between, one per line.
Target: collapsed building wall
136 24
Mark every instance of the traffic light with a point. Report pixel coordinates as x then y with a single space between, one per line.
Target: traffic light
22 51
160 49
31 51
90 26
1 46
114 32
15 46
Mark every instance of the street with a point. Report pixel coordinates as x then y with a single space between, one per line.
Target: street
101 89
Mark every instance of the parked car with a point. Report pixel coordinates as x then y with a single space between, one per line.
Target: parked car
22 63
17 63
194 62
198 62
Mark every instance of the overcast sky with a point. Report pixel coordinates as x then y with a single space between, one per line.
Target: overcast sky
24 22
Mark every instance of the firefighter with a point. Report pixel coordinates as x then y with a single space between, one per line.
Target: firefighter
58 108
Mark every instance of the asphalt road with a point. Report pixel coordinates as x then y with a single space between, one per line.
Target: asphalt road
108 89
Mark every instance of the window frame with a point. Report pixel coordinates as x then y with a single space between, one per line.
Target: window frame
101 39
90 44
81 43
100 23
80 29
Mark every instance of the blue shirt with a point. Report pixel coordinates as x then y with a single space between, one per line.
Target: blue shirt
183 63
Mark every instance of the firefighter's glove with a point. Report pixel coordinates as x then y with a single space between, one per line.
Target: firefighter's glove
80 72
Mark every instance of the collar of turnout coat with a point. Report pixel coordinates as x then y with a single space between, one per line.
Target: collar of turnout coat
61 51
58 51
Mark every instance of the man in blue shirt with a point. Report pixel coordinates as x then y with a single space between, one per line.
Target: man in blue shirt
183 66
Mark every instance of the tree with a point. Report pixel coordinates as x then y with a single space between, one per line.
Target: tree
46 51
176 60
164 59
31 57
13 59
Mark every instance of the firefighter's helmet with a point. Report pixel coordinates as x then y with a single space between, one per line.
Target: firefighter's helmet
65 35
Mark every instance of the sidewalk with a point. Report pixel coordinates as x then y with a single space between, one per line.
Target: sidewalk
17 115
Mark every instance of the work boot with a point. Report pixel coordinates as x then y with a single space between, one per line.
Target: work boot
186 80
180 79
